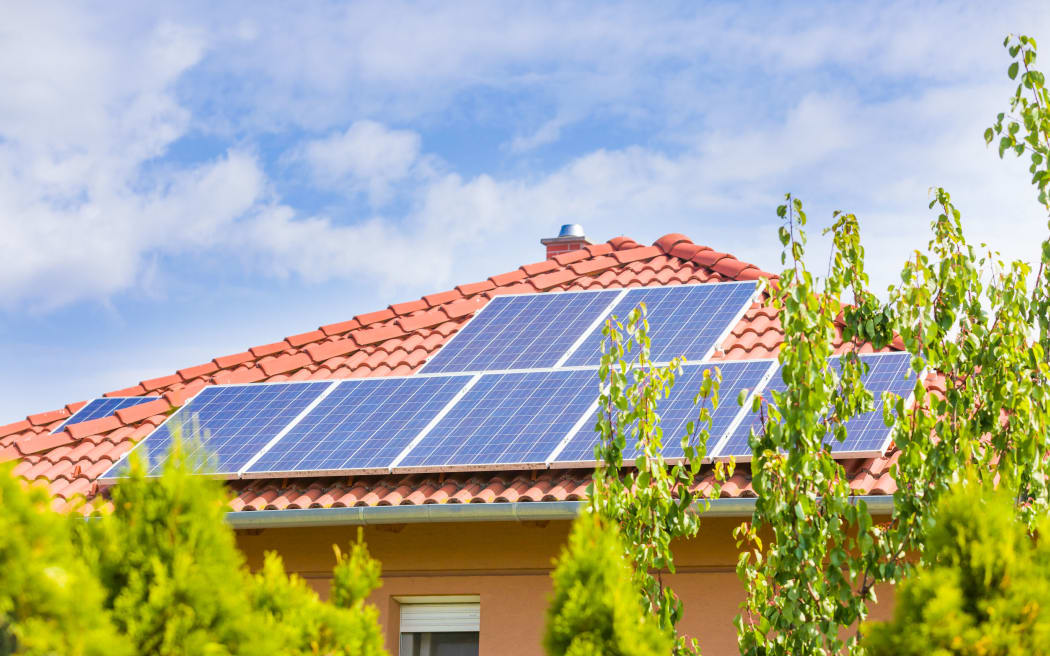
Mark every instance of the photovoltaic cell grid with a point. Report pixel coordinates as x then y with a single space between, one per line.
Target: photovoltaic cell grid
515 418
521 332
235 423
98 408
361 424
684 320
866 433
678 409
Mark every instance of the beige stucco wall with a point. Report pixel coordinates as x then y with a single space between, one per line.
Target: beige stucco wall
508 565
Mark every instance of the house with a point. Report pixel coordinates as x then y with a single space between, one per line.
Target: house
466 556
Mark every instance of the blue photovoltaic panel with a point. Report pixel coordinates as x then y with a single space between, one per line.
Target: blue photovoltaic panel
98 408
516 418
521 332
865 433
868 433
361 424
678 409
235 422
684 320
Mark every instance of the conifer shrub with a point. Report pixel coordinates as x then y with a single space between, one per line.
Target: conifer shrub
985 590
50 601
596 609
176 583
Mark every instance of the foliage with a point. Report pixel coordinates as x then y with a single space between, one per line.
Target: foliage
653 504
596 610
303 624
980 324
173 576
50 602
985 590
801 580
176 583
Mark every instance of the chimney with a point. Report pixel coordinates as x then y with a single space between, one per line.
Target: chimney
570 238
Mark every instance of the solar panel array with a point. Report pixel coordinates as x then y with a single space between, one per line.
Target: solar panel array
515 418
361 424
517 387
685 320
527 331
104 407
866 434
230 424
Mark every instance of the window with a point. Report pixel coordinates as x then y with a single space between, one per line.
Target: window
440 626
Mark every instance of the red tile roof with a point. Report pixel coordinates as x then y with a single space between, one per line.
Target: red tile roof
396 341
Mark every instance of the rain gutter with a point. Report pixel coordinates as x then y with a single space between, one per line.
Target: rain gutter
533 511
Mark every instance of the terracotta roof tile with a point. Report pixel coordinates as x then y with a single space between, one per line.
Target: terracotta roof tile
268 349
571 256
43 418
635 254
94 426
368 336
179 396
340 328
539 267
508 278
472 288
597 264
16 427
374 317
422 320
553 279
408 307
443 297
285 363
134 390
227 361
137 413
190 373
305 338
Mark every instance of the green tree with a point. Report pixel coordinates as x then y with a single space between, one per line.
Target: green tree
985 589
50 601
176 583
596 609
981 325
303 624
651 504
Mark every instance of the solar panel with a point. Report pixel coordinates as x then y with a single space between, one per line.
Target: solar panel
361 424
678 409
529 331
104 407
866 433
511 418
684 320
236 422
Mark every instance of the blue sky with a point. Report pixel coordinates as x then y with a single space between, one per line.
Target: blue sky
178 183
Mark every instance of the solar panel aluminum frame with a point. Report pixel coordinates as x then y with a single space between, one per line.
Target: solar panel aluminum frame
552 462
106 479
366 471
590 329
871 453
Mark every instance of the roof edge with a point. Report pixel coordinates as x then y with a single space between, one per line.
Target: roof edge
528 511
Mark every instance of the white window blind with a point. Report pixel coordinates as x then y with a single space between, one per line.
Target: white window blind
440 617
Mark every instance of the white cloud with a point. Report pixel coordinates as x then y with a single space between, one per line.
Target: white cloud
367 156
89 201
